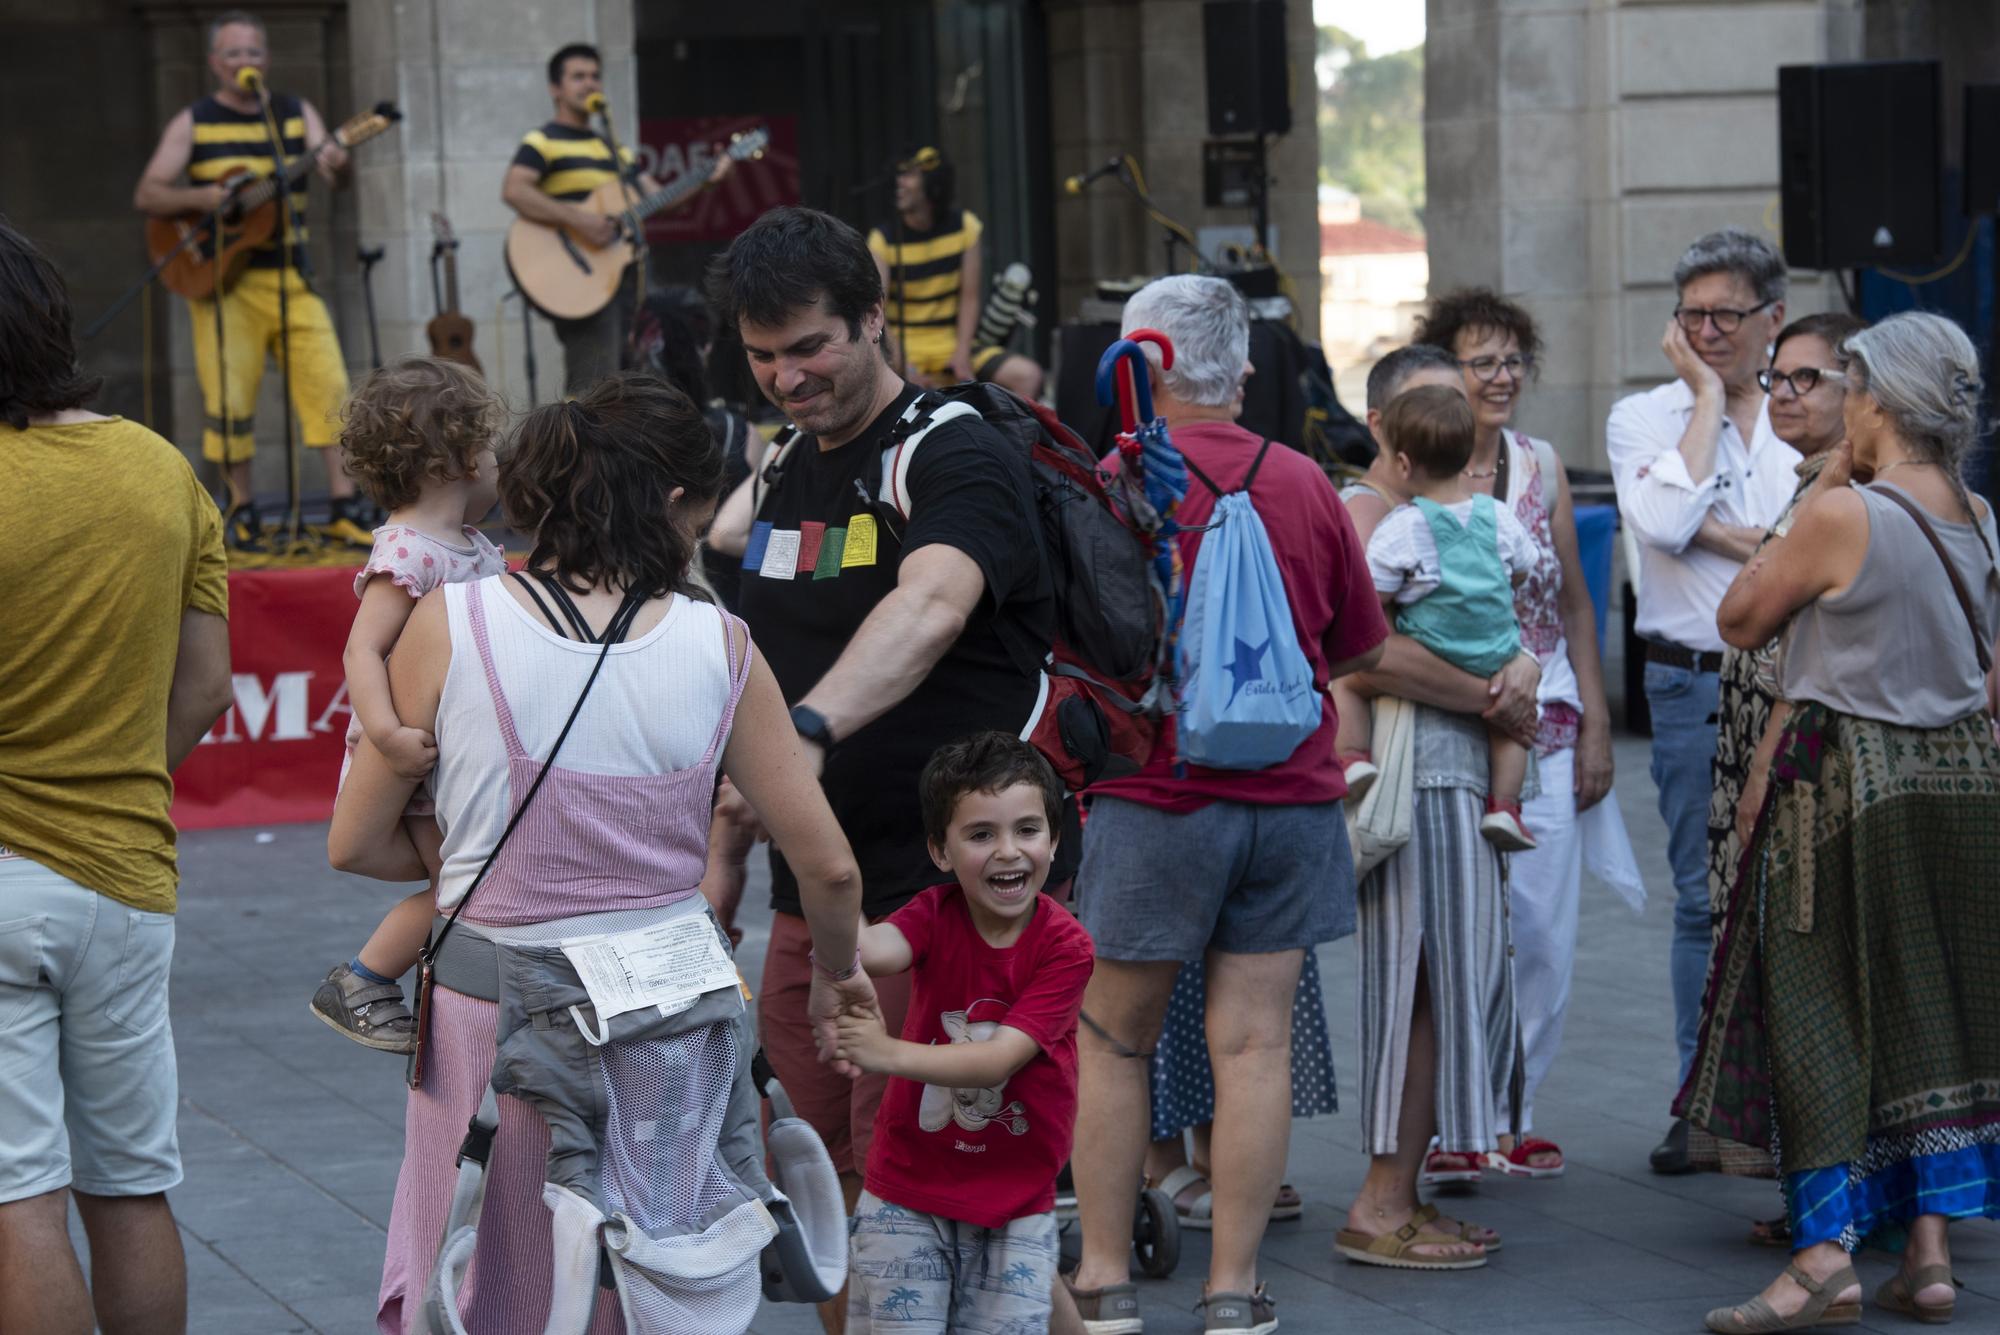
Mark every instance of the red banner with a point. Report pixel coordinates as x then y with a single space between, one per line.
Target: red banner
672 146
275 756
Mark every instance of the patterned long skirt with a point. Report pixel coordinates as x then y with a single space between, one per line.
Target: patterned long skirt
1852 1018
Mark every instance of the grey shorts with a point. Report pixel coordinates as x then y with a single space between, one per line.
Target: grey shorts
88 1089
1231 876
922 1274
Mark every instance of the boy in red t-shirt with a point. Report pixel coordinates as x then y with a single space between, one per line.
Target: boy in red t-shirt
956 1228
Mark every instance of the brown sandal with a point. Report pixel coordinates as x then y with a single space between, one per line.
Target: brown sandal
1757 1316
1392 1249
1900 1295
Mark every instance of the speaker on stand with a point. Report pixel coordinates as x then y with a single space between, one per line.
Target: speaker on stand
1249 85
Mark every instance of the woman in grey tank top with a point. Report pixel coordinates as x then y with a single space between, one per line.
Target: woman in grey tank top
1852 1022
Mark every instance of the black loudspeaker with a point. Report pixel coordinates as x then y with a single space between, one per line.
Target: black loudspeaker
1248 89
1982 148
1859 163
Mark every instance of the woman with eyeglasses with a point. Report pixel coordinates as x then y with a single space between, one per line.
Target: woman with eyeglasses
1807 390
1852 1016
1495 343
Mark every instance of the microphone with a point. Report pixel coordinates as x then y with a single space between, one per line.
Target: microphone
249 79
1075 185
594 104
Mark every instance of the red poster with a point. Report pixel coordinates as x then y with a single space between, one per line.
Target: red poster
669 147
275 756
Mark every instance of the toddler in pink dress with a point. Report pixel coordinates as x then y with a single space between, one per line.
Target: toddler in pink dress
418 438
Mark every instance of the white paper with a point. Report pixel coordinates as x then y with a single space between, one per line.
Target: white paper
667 966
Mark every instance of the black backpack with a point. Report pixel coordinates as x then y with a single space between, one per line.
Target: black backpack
1096 717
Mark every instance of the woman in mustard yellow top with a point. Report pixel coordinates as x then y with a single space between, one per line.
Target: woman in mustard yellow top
114 662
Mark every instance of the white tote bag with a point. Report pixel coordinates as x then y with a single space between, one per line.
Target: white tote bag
1379 824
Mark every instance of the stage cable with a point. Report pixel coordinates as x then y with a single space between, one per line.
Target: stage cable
1957 262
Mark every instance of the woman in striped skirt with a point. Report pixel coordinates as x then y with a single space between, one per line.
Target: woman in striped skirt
1438 1034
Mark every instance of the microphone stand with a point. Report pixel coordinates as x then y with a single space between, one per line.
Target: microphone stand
286 244
369 257
527 343
636 232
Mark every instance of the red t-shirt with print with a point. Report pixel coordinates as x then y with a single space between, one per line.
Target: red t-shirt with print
1335 612
984 1157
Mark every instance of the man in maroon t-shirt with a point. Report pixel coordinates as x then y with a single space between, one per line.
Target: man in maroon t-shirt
1249 868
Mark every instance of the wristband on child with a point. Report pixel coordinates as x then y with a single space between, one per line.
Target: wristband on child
836 975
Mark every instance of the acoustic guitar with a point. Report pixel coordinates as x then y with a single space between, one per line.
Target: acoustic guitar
250 218
567 278
450 331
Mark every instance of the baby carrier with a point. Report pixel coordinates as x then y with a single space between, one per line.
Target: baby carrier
627 1032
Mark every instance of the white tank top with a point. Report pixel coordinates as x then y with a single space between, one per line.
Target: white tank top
654 710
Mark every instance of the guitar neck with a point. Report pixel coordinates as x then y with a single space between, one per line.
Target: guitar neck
669 195
451 278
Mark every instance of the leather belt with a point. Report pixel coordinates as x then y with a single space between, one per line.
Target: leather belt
1680 656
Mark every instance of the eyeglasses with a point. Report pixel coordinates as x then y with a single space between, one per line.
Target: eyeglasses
1801 382
1487 369
1726 321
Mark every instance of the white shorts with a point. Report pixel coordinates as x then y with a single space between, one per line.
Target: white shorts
88 1086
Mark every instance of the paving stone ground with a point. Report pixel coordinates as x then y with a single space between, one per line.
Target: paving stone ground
292 1137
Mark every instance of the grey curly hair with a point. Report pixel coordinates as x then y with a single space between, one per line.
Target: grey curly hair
1743 253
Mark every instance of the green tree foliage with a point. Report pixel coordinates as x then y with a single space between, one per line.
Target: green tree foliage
1371 127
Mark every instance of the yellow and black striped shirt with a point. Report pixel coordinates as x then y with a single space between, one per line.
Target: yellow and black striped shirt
227 142
925 271
568 161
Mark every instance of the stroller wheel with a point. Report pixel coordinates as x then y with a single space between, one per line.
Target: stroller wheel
1156 1234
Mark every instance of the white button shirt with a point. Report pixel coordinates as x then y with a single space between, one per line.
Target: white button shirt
1680 586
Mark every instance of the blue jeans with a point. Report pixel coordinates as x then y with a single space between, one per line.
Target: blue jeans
1683 702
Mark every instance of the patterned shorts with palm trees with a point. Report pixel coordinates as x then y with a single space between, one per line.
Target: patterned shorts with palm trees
914 1272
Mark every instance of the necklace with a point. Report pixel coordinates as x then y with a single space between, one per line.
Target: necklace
1479 473
1915 463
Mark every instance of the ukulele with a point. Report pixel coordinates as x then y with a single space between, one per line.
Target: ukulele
567 278
250 218
450 331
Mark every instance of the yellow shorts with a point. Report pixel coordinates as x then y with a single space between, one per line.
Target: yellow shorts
249 336
932 356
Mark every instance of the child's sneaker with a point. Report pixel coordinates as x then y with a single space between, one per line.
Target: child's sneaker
1501 827
372 1014
1111 1310
1358 768
1239 1313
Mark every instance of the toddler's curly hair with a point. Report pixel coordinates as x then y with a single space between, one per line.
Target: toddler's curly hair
415 421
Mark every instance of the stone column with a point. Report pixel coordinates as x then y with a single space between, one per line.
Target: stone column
1575 147
471 78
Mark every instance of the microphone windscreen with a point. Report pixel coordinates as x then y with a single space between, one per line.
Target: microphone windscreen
249 79
1074 185
594 103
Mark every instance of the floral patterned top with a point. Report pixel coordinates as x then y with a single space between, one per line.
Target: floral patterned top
1537 601
416 562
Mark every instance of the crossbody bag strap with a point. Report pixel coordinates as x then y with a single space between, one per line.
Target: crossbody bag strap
1958 588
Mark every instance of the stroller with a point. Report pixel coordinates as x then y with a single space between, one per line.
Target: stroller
1156 1229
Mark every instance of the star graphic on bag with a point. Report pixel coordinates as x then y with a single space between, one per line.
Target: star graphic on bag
1247 666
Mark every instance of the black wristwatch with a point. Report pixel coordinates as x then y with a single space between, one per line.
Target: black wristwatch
812 725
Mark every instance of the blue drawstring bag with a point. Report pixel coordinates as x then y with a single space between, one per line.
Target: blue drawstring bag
1246 690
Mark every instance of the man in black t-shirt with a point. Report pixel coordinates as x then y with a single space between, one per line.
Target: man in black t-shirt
889 638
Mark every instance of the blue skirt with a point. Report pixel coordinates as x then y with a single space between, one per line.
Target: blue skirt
1881 1193
1183 1083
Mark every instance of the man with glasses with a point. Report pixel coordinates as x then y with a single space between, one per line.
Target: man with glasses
1700 477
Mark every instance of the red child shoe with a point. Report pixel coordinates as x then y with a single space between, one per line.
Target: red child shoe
1501 827
1514 1162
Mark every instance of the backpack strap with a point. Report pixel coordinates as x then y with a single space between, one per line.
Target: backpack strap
1248 477
774 466
925 412
1950 569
